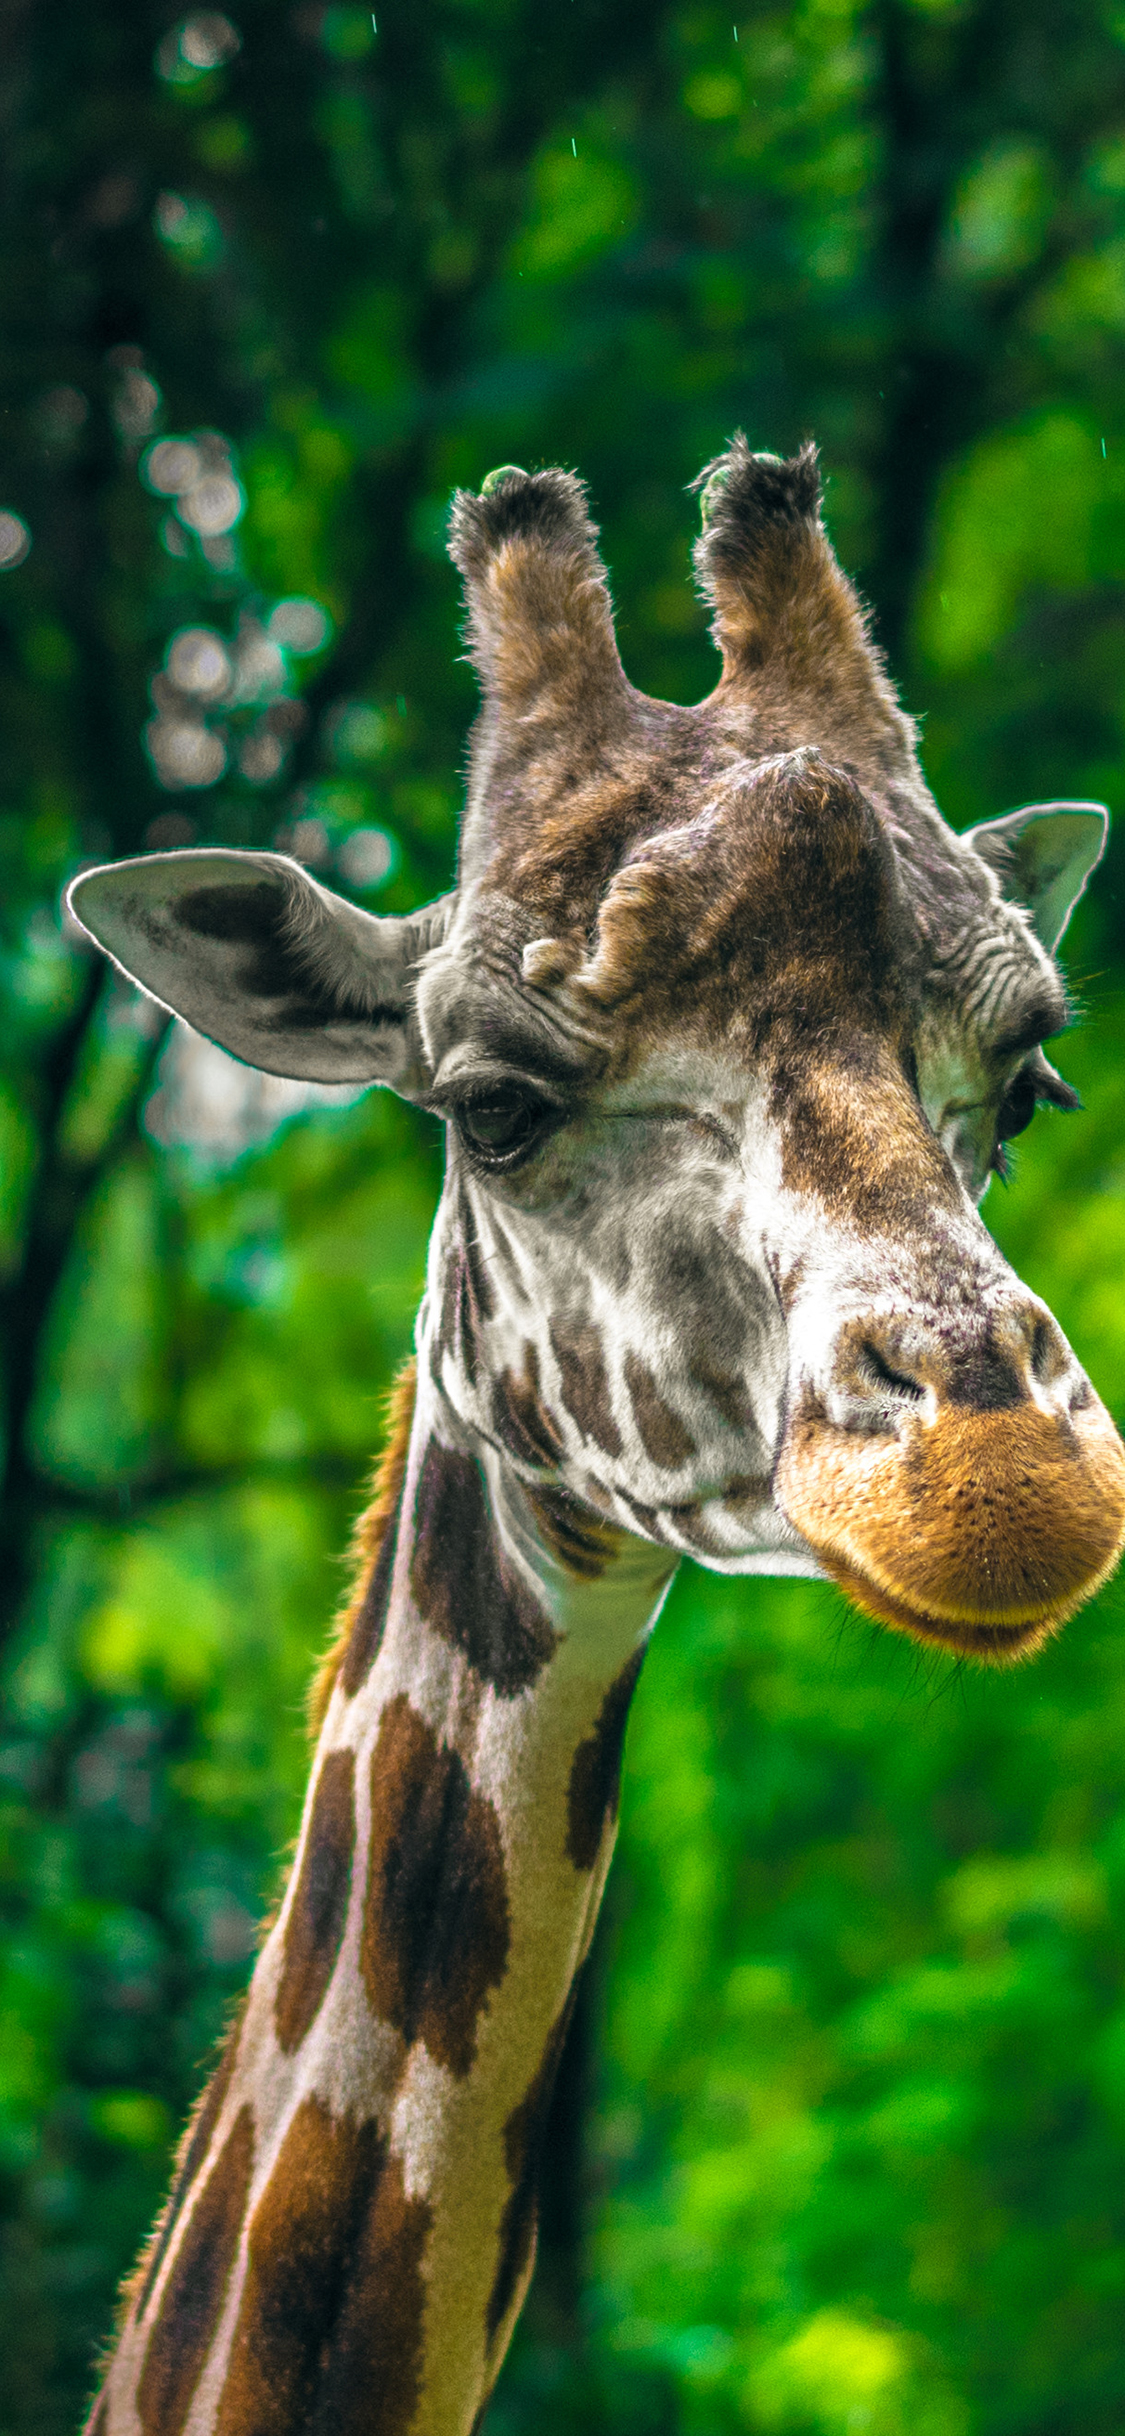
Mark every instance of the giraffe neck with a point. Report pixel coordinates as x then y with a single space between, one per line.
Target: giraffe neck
353 2224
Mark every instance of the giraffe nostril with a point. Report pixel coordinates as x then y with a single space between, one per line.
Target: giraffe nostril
1044 1352
879 1374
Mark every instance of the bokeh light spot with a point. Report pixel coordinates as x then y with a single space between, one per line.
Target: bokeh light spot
135 405
172 466
15 540
261 756
300 625
209 38
190 228
212 505
199 663
259 668
194 48
367 857
184 753
308 842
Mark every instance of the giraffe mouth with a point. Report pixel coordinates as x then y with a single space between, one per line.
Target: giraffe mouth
978 1532
997 1640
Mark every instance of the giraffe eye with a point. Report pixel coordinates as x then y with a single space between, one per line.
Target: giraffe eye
1014 1115
1017 1107
502 1130
1036 1081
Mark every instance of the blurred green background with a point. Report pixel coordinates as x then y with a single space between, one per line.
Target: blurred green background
840 2139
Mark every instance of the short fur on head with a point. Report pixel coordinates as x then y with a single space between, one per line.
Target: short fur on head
729 1030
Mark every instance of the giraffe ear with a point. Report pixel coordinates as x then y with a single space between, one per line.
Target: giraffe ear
256 955
1043 857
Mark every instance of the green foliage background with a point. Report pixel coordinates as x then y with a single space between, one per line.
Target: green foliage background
840 2141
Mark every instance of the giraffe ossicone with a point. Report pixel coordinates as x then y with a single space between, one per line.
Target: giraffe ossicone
728 1030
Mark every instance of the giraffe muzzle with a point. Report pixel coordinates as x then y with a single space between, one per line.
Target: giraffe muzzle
971 1496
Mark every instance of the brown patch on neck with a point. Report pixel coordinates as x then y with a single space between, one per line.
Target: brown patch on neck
330 2326
358 1630
595 1777
314 1927
436 1925
193 2297
467 1302
193 2151
373 2372
465 1589
524 2134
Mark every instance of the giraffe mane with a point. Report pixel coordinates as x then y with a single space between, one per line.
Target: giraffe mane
368 1536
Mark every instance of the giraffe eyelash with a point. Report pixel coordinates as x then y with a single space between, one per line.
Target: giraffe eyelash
1037 1085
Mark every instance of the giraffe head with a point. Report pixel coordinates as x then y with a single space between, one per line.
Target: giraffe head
728 1030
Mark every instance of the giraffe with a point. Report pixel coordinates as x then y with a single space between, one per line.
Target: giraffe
729 1031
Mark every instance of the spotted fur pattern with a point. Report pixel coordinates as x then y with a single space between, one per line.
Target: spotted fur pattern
353 2228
